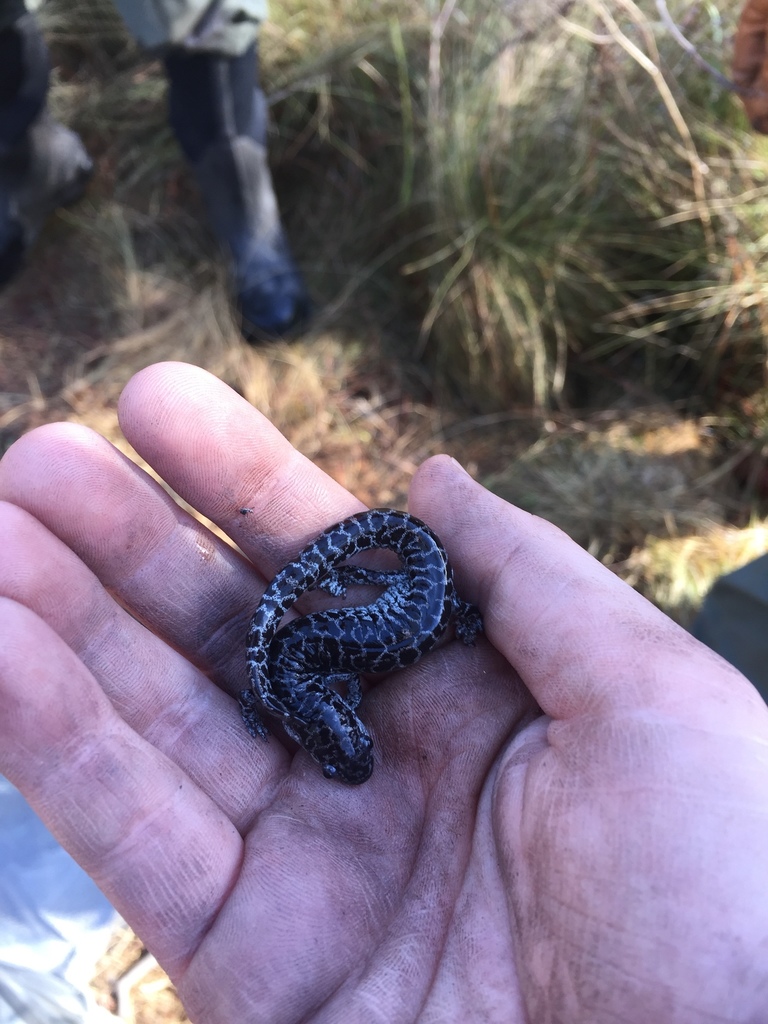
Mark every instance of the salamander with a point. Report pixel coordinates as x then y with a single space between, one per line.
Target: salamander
295 670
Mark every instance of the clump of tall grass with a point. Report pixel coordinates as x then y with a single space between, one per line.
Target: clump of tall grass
640 266
545 196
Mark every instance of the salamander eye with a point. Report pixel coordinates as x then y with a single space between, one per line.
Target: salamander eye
329 771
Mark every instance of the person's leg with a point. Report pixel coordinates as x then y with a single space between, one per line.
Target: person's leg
43 165
219 116
23 72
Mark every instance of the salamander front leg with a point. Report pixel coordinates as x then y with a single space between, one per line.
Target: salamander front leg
250 709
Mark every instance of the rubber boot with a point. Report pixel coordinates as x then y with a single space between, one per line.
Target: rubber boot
43 165
219 117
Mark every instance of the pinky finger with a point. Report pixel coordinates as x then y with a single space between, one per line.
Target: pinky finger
157 846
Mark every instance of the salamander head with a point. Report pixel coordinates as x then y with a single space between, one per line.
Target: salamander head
337 739
352 770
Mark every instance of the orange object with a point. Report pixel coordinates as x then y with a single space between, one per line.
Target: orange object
750 61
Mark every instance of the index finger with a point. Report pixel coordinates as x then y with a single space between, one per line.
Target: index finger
229 462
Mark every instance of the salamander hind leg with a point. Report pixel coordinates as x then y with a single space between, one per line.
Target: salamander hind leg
469 622
354 693
250 709
347 685
337 580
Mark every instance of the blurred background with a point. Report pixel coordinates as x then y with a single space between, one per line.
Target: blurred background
536 237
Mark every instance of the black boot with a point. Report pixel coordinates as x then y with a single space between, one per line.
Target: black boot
219 117
43 165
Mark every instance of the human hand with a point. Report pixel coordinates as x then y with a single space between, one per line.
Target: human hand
750 61
602 859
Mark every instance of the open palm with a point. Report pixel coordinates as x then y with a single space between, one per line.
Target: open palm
584 841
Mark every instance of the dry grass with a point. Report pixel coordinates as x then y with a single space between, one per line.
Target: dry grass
651 494
677 572
611 485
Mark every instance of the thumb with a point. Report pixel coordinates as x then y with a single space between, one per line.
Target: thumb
581 639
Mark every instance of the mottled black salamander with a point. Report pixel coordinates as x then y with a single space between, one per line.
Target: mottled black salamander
293 670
